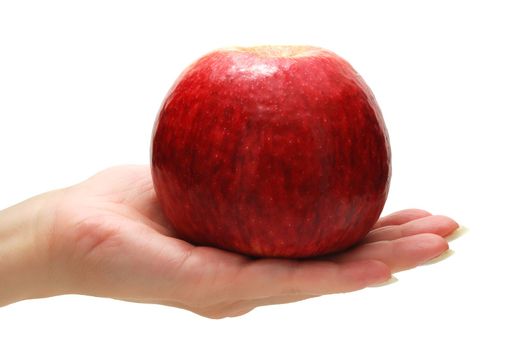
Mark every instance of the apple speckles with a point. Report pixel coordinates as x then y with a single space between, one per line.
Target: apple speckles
269 157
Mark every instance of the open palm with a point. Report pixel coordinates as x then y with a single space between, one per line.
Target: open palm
111 239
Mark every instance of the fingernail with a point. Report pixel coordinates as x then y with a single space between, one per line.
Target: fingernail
391 280
460 231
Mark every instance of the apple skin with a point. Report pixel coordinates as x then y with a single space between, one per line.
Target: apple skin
271 152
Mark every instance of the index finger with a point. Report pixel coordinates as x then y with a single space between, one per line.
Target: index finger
401 217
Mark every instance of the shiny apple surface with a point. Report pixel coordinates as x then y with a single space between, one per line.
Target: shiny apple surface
271 152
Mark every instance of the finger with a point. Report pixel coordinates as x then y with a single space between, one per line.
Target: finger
399 254
437 224
268 278
401 217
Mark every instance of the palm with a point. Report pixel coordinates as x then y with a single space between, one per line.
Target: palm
113 239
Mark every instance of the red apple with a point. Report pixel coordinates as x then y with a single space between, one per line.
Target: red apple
271 151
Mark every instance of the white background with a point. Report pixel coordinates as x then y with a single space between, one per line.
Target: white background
80 86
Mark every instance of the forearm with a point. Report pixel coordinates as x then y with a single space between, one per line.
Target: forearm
23 270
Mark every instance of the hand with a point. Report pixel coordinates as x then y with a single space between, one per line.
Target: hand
107 237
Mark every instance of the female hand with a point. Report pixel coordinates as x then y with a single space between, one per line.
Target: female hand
107 237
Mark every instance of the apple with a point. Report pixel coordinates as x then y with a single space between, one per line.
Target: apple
271 151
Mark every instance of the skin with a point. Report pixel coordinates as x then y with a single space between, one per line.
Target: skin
107 237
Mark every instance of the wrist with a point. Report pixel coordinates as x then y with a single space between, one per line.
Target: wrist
25 271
